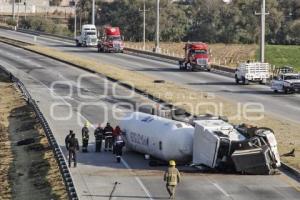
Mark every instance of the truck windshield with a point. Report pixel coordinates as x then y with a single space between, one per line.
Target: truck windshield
114 38
291 77
199 51
90 33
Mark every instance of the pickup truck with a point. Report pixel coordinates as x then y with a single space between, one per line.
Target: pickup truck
252 71
287 83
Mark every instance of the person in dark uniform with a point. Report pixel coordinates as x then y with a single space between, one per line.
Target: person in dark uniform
108 131
118 147
72 146
98 138
67 138
85 137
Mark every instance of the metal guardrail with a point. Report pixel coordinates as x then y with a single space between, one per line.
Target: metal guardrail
64 170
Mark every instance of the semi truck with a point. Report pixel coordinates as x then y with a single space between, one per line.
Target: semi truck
88 36
210 143
196 57
111 41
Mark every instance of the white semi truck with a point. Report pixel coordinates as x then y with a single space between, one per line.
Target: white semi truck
252 71
87 37
212 143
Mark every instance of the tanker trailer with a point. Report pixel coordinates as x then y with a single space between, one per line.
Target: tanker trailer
159 137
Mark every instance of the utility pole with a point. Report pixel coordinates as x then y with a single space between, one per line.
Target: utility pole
25 4
144 25
262 29
75 21
13 9
93 12
157 48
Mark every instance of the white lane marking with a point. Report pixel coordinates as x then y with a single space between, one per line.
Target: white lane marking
123 161
221 189
137 179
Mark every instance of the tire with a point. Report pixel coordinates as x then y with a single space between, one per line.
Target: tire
286 91
78 44
245 81
208 70
237 81
275 91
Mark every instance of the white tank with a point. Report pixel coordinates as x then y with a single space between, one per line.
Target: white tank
159 137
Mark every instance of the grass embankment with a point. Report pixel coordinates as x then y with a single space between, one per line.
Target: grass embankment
281 55
193 101
27 171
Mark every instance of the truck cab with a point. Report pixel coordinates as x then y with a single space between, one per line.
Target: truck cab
196 57
111 41
88 36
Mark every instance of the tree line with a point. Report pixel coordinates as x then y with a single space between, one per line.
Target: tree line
210 21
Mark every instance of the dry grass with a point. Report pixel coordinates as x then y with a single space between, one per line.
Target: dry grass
30 171
189 99
224 54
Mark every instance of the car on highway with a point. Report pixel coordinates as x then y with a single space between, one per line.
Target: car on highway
287 83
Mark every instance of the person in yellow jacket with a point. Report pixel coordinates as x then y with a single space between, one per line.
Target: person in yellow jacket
172 177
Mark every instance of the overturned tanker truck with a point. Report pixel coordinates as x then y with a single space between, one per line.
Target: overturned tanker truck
210 143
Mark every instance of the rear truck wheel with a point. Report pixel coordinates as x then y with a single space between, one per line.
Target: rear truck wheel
237 81
208 69
245 81
78 44
275 91
180 63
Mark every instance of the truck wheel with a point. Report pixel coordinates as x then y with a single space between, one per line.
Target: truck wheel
77 43
286 91
275 91
208 70
237 81
245 81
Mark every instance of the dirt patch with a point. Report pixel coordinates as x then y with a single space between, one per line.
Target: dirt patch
27 171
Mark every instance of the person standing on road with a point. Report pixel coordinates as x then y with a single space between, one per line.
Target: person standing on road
98 138
118 147
67 138
108 131
85 137
115 134
172 177
72 146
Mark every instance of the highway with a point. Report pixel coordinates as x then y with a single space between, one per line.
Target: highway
280 105
96 173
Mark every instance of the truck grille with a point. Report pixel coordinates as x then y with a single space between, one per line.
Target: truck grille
117 46
201 61
296 85
93 40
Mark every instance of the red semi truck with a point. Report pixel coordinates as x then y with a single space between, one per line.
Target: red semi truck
111 41
196 57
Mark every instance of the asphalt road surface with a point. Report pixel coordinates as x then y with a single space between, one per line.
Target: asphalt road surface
65 103
280 105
